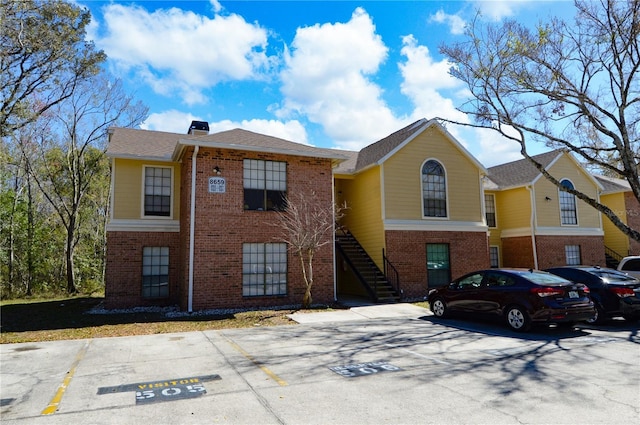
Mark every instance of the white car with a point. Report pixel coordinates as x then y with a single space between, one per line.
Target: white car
630 265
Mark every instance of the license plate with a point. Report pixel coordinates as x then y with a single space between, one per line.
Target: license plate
574 294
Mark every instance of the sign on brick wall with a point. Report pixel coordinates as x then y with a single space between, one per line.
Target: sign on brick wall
217 185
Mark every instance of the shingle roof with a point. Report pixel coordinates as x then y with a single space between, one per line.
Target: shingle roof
521 172
612 185
145 144
376 151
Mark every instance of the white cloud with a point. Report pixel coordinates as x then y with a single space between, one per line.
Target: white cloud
174 121
327 79
292 130
424 81
177 51
493 149
456 23
498 9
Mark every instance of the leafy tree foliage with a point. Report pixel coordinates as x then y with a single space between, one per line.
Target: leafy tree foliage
572 85
43 56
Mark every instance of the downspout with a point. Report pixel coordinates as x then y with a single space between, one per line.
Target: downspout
335 262
533 227
192 226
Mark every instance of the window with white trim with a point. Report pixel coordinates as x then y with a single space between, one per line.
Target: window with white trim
572 255
157 191
568 213
434 189
490 209
264 269
155 271
494 257
265 185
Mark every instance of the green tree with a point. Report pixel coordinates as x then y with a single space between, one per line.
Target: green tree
43 56
64 152
572 85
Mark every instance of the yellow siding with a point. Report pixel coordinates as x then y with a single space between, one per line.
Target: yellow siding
548 211
364 215
402 175
613 237
513 208
127 197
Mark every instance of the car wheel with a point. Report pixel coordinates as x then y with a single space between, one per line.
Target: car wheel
598 317
518 319
439 307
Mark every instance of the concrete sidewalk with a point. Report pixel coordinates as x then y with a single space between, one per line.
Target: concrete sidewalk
366 312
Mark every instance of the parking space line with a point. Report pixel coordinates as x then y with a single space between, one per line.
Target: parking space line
248 356
55 401
418 354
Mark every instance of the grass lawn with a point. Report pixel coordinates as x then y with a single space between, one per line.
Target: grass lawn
50 320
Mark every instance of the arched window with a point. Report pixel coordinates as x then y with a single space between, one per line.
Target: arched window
434 189
568 213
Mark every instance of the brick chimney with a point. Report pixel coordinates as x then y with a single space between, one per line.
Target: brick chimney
198 128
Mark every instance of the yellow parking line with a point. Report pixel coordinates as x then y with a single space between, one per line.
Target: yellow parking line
266 370
55 401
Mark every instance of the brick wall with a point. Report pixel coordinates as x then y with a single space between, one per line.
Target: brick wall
222 226
468 251
124 268
518 251
633 220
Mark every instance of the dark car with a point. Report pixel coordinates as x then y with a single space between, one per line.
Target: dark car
614 293
522 297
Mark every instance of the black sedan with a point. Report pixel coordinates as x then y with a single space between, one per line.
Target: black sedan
614 293
522 297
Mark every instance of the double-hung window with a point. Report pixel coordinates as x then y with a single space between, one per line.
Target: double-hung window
572 255
264 269
434 190
568 213
155 271
265 185
157 191
490 209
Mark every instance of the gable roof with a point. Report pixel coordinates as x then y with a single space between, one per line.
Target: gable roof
378 152
162 146
612 185
523 173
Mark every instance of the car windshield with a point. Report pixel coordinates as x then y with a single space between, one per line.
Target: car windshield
542 278
613 276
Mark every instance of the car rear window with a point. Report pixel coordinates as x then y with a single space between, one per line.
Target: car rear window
632 264
542 278
612 275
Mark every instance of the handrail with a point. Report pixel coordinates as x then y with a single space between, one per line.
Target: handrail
370 290
394 279
610 252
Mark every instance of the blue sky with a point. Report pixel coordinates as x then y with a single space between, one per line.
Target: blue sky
337 74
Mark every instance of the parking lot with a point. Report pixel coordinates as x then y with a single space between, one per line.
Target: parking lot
350 368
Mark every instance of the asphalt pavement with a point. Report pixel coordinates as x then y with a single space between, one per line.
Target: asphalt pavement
381 364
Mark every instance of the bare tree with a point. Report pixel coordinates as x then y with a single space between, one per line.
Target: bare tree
308 224
571 85
65 151
43 56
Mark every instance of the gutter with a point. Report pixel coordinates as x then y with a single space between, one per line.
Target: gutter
192 226
533 227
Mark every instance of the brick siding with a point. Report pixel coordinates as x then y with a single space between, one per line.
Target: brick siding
222 226
633 220
518 251
407 251
124 268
